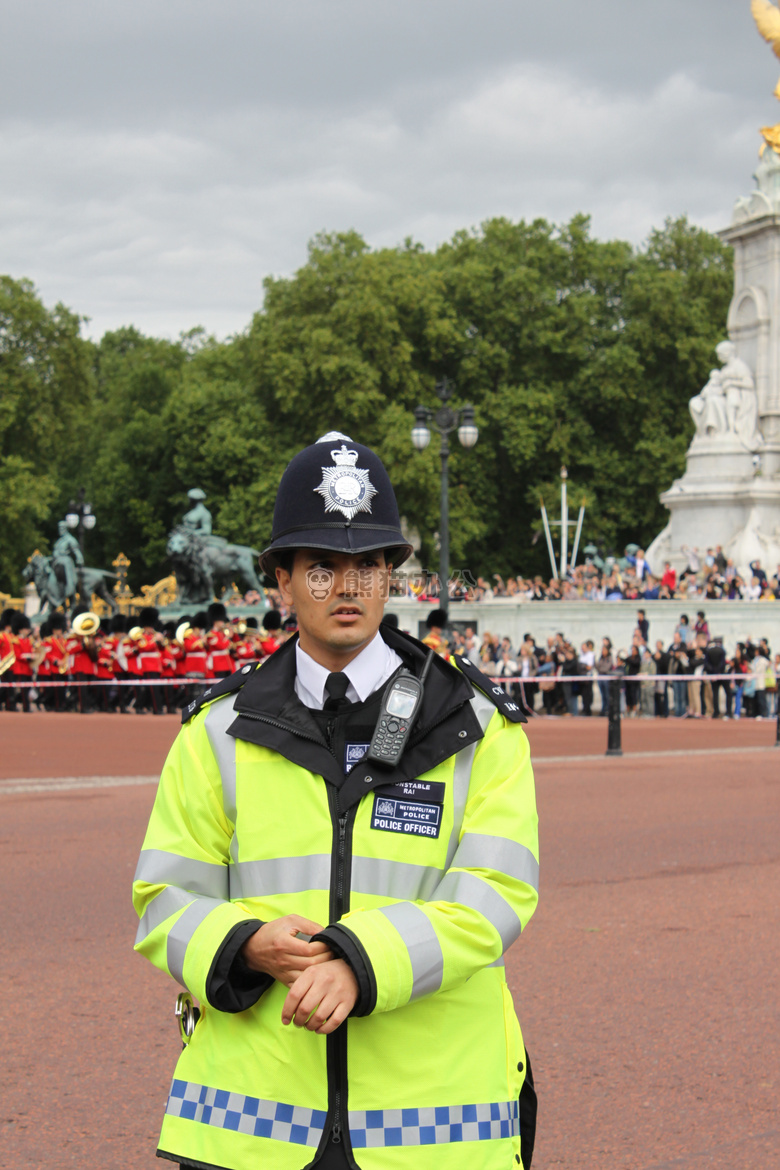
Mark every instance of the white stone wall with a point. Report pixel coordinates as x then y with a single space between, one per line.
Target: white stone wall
733 620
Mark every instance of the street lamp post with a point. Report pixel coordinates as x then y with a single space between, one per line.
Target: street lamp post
445 420
80 516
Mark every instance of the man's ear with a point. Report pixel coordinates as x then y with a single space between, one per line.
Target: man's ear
283 580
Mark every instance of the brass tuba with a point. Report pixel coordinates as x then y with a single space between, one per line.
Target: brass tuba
85 625
182 631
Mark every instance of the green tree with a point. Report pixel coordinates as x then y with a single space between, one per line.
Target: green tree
571 349
45 396
127 452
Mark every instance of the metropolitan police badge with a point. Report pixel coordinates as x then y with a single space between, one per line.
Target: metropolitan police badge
346 488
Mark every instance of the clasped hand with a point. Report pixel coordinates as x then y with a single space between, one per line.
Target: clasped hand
323 989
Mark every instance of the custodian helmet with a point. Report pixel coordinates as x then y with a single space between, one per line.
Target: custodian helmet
335 495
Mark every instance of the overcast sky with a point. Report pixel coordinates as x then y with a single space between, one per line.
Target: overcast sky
158 158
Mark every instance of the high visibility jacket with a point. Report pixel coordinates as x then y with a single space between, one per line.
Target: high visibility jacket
428 884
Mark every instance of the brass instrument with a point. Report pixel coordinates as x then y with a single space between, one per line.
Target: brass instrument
86 625
182 631
64 660
39 655
135 634
7 662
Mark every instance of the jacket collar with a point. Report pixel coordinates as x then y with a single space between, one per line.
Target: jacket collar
270 691
269 713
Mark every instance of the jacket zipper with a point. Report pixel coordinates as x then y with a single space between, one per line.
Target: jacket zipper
338 910
339 905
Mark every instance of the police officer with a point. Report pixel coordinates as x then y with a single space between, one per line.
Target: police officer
340 921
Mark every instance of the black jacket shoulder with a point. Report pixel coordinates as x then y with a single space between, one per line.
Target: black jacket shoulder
491 690
215 690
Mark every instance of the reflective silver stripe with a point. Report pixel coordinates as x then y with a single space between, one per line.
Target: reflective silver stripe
422 943
394 879
498 962
219 717
280 875
167 902
434 1125
182 931
477 894
480 851
461 776
199 877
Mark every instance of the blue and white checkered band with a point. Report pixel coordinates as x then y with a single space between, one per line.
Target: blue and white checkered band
369 1128
435 1125
346 488
249 1115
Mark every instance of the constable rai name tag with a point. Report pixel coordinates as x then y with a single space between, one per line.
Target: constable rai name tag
415 817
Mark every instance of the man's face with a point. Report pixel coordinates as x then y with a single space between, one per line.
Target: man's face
339 600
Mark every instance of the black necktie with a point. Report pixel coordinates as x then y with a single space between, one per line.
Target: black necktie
336 689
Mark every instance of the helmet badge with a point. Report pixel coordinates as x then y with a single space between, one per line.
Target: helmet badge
346 488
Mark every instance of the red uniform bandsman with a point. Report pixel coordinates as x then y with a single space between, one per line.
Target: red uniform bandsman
170 652
246 647
218 642
195 665
271 639
149 653
54 667
7 656
106 663
82 654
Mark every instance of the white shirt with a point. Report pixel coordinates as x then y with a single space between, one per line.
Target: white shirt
372 667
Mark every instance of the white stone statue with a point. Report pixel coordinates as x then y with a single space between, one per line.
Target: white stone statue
728 404
708 408
741 399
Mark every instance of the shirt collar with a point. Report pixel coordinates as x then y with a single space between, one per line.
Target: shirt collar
373 666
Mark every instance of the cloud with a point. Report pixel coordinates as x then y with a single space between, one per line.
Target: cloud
181 170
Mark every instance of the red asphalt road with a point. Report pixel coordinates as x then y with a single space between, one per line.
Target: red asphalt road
646 982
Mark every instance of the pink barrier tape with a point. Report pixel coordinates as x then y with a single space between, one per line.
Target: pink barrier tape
562 678
572 678
114 682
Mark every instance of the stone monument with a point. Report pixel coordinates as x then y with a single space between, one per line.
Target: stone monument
203 562
730 491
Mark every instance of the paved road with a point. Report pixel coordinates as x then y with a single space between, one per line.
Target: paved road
646 984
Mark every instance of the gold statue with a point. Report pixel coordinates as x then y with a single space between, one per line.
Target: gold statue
767 17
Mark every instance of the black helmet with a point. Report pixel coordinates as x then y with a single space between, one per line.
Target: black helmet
216 612
148 616
335 495
272 620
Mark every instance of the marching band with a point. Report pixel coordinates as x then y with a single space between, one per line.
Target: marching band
138 663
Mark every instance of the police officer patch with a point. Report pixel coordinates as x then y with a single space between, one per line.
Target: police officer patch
346 488
412 817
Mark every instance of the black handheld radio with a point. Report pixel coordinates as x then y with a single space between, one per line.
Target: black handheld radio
400 706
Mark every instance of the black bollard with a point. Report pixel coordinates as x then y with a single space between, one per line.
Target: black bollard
613 724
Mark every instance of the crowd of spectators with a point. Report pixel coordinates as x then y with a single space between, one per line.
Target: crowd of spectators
711 576
557 677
